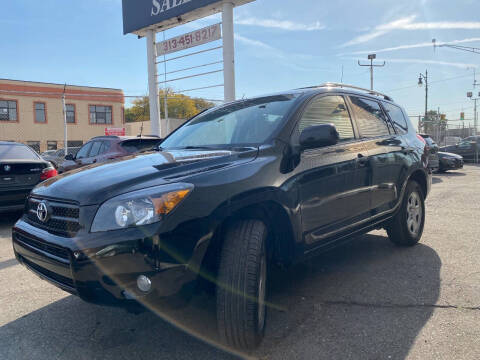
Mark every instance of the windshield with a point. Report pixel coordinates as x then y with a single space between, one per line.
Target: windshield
249 122
16 152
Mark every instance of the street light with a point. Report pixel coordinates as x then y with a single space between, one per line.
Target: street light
371 57
422 77
420 81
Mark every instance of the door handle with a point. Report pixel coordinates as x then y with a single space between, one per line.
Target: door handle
362 160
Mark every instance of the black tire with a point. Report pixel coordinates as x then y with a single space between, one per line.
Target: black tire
239 304
401 230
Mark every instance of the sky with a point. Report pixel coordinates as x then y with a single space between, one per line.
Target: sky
279 45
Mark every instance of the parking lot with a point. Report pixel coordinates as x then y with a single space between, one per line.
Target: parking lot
365 300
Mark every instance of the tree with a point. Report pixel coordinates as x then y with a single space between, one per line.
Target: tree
435 123
140 111
179 107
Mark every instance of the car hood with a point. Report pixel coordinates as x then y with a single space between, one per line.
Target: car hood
443 154
94 184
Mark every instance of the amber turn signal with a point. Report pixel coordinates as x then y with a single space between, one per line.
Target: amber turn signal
167 202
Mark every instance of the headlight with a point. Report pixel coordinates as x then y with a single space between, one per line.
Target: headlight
140 207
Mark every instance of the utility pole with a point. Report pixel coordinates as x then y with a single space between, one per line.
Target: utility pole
65 132
475 122
420 83
371 57
457 47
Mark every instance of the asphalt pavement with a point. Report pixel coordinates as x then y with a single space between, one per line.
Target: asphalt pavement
365 300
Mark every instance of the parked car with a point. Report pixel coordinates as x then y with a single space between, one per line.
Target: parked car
269 180
451 140
104 148
465 148
48 153
432 147
21 168
58 156
449 161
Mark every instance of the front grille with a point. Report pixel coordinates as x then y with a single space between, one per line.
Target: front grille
63 220
41 245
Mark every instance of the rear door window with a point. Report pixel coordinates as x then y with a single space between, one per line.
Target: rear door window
371 120
137 145
329 109
398 118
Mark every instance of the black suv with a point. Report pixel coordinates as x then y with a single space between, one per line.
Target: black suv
235 190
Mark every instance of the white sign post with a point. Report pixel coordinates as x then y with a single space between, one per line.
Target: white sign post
147 17
155 117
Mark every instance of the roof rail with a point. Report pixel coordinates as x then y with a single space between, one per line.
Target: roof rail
332 84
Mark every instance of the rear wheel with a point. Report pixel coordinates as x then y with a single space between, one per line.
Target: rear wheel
242 285
406 228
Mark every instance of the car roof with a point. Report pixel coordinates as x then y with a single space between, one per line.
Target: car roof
324 88
123 138
11 143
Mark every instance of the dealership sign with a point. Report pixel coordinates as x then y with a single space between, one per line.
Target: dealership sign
194 38
115 131
138 15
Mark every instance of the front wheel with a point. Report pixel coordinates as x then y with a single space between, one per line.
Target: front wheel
242 285
406 227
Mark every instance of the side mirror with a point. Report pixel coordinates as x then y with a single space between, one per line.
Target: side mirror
318 136
69 157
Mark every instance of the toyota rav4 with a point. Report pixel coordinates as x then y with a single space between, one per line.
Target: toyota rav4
258 182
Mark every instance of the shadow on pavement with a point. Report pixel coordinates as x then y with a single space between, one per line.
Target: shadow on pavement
452 173
436 180
366 299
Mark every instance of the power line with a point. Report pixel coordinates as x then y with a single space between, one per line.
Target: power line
431 82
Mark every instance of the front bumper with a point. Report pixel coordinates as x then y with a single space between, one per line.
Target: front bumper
451 164
103 268
13 199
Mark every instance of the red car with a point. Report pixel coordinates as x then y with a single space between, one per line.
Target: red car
103 148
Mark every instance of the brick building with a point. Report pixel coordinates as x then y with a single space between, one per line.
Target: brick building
32 113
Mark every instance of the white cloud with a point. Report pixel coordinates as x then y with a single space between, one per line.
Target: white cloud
433 62
407 23
280 24
412 46
256 43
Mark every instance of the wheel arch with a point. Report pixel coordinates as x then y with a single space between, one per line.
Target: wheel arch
281 241
421 178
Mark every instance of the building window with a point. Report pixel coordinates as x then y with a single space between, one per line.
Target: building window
70 113
8 110
100 114
40 112
51 145
35 145
75 143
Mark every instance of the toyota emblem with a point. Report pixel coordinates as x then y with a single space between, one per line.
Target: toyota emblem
42 211
7 168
